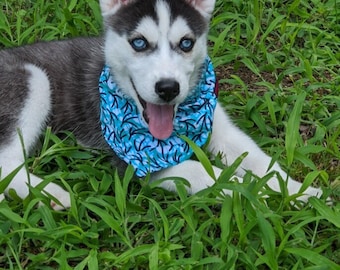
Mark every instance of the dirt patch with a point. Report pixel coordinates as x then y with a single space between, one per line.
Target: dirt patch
251 80
248 77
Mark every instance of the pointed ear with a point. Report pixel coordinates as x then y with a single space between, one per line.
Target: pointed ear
111 6
205 7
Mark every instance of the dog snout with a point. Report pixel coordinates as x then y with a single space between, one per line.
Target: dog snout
167 89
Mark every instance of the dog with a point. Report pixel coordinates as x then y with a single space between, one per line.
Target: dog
139 91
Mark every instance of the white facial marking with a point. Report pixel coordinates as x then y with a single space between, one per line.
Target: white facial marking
148 29
179 29
164 18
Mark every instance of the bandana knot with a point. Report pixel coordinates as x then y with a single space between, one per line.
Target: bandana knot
128 135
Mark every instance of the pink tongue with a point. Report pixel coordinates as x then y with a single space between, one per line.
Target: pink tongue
160 120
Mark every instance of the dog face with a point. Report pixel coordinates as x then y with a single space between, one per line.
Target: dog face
156 49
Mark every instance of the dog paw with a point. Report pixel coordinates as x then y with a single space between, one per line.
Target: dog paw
294 188
310 192
315 192
19 184
190 170
62 197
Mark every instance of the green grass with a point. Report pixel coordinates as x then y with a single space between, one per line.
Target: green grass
283 87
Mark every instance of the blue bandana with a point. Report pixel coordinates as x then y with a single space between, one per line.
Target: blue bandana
128 135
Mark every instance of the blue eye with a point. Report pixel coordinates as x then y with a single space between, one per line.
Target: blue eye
186 44
139 44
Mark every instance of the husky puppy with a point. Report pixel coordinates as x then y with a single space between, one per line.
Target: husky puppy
138 91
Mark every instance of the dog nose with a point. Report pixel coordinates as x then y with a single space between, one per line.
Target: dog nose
167 89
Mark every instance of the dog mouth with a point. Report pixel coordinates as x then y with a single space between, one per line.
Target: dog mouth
159 118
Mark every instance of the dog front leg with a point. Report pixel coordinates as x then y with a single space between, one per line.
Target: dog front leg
229 140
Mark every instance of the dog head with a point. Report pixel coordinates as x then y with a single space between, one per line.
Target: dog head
156 49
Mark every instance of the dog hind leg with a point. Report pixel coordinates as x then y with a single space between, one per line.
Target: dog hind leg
30 122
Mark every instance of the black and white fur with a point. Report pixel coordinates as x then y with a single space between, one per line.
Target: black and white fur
56 84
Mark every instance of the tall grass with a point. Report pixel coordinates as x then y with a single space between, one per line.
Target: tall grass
290 106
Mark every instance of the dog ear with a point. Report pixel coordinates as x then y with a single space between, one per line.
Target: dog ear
205 7
111 6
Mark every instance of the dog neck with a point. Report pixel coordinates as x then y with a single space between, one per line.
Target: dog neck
128 135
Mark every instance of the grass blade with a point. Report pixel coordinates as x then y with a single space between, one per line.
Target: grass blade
292 130
313 257
325 211
201 156
268 241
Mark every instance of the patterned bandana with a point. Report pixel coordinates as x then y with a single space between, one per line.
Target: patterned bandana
128 135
